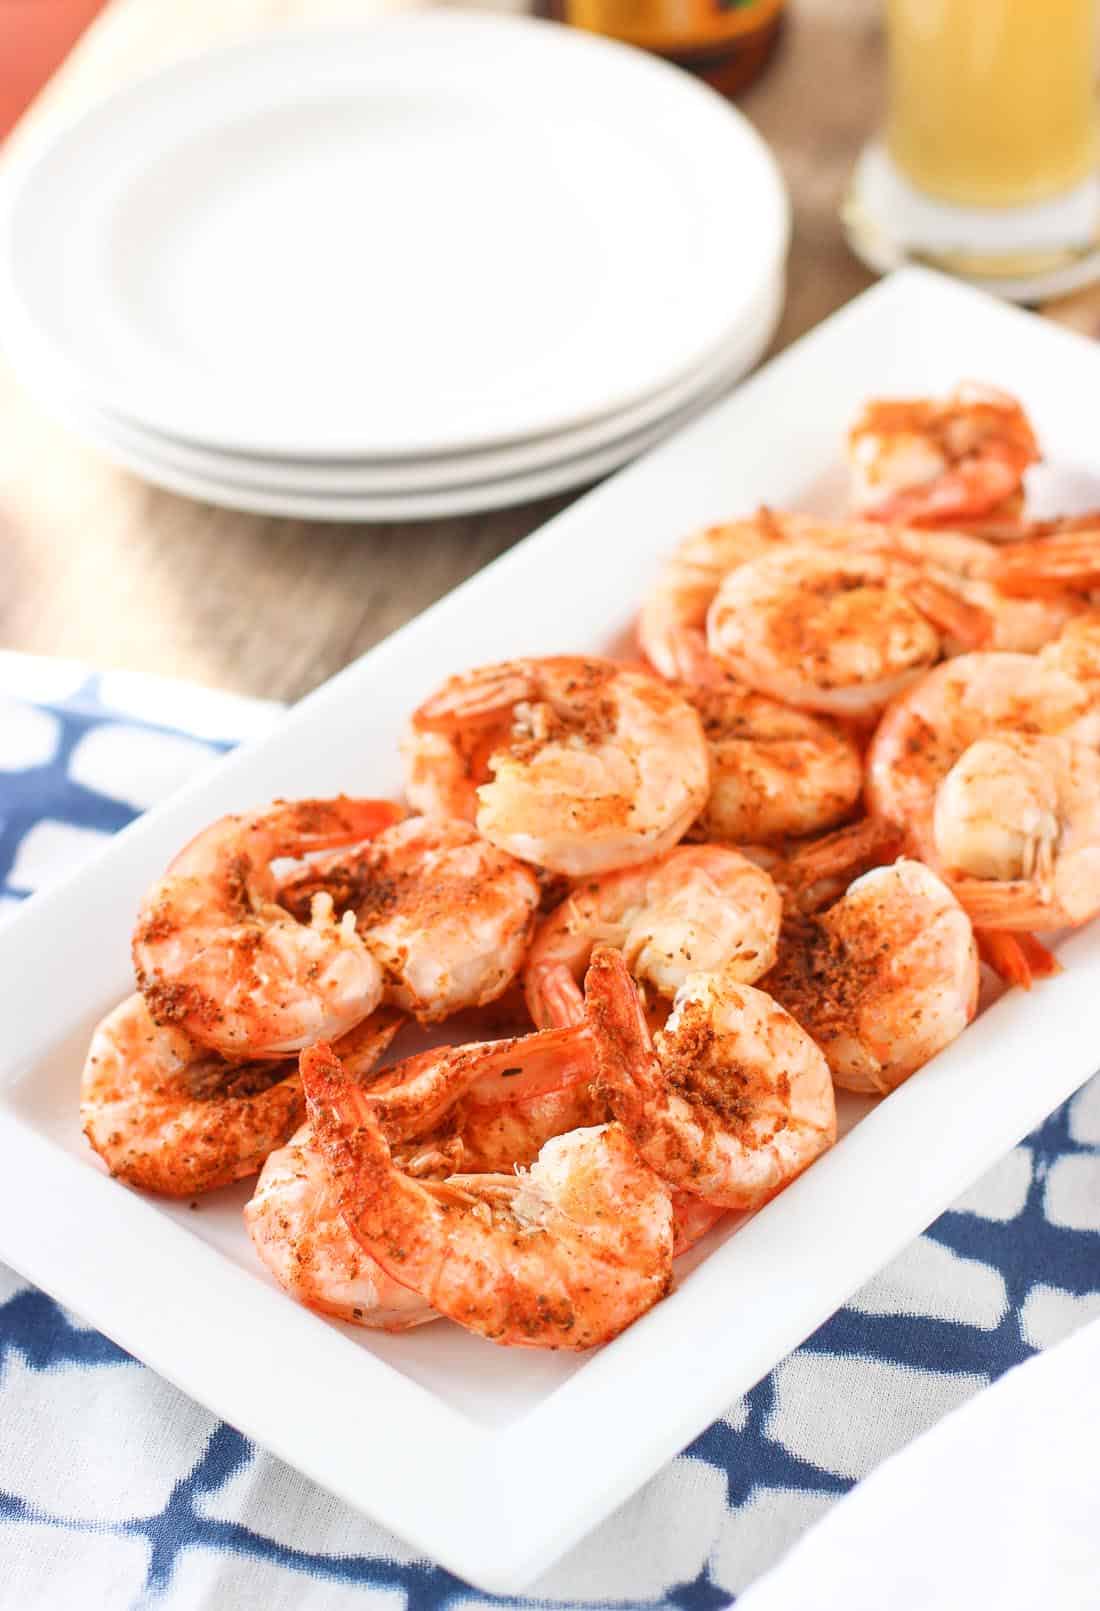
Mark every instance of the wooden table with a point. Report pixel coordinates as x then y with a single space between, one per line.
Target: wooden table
102 567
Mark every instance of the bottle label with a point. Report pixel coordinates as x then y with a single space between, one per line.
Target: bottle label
673 25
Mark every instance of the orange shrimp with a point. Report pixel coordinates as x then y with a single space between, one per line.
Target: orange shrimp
729 1101
925 462
215 955
577 765
697 909
563 1255
446 915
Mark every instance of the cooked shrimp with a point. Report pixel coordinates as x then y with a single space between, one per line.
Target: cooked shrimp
564 1255
1075 653
925 462
175 1118
490 1105
729 1102
577 765
480 1107
1016 825
990 766
774 771
1058 555
446 915
973 569
956 570
297 1229
697 909
882 980
834 631
218 959
672 625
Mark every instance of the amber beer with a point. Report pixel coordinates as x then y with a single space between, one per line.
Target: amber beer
727 42
992 102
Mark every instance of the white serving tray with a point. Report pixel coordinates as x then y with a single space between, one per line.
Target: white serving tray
493 1461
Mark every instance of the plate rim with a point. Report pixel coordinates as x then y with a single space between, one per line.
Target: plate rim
414 504
346 478
23 169
467 1511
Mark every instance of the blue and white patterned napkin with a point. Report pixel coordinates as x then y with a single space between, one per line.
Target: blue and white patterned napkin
116 1491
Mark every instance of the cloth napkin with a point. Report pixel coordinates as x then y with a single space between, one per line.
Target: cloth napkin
116 1491
997 1505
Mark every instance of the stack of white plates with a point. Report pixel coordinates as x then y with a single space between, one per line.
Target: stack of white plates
434 264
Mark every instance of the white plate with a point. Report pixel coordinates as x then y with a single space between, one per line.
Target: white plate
434 232
404 476
496 1462
143 455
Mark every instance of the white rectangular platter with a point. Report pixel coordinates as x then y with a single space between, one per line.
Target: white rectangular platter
494 1461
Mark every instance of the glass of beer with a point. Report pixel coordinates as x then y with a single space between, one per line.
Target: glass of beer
989 162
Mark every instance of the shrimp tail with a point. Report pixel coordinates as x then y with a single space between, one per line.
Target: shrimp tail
963 493
361 1047
1069 559
954 617
870 842
535 1065
375 1201
1019 959
1004 904
333 1102
624 1051
346 1127
554 998
482 696
685 654
692 1218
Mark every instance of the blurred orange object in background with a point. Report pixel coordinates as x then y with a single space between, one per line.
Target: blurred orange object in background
36 37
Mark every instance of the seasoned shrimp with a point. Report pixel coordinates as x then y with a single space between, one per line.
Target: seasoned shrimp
834 631
884 979
564 1255
1075 654
673 620
488 1105
990 765
672 625
175 1118
1058 555
297 1229
698 909
955 571
925 462
774 771
218 959
577 765
729 1102
973 569
481 1107
446 915
1016 825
